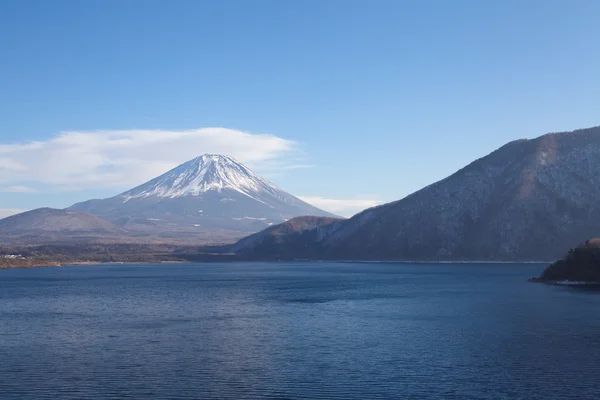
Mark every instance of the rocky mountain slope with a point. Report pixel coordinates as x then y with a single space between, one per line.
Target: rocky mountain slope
212 197
528 200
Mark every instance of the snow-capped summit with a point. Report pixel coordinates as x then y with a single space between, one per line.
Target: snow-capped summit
211 198
210 172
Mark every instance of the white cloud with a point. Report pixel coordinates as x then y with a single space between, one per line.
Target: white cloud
7 163
7 212
345 208
17 189
124 158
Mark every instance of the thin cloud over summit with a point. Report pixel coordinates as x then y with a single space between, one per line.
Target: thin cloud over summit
120 158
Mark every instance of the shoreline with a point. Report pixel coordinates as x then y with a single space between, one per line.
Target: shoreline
51 264
55 264
566 283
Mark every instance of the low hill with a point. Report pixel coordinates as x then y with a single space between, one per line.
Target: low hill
54 220
50 225
581 264
290 239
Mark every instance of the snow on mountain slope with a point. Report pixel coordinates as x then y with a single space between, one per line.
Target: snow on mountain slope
210 172
212 195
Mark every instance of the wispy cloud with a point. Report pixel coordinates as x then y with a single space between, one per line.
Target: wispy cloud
17 189
7 212
345 208
123 158
9 164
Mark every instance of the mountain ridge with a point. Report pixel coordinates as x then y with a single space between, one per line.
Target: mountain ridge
527 200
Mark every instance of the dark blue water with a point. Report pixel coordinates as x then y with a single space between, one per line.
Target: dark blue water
295 331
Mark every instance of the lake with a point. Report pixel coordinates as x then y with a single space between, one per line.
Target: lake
296 331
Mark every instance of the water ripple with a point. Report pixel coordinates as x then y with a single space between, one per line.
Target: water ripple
290 331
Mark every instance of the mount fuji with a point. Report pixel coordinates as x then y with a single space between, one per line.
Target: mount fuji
210 197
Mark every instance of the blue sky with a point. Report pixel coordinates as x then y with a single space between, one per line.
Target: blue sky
347 103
